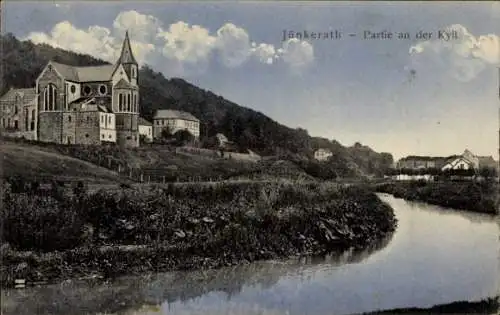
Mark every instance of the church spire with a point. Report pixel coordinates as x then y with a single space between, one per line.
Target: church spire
126 57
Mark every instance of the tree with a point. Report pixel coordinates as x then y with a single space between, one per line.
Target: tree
183 137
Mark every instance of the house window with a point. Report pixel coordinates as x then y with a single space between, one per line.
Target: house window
109 119
120 102
109 136
86 135
72 89
128 102
16 110
102 119
88 119
102 136
16 126
3 122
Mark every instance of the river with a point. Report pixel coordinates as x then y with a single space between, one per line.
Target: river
436 256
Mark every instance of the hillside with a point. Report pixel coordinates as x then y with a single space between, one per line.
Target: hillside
249 129
31 161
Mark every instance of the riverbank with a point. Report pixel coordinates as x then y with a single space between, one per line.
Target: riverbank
465 195
486 306
165 228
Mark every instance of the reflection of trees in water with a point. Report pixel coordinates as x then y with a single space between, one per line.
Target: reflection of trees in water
474 217
134 292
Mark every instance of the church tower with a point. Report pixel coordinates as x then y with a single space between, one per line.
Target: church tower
126 97
128 61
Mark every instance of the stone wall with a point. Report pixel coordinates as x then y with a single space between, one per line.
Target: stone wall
87 127
69 131
50 127
127 138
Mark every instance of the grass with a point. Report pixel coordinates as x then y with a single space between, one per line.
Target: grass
175 227
466 195
157 163
30 161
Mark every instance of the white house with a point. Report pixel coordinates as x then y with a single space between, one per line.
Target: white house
174 121
145 129
459 163
107 124
322 154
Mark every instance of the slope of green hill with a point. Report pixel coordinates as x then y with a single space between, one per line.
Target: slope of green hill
32 162
249 129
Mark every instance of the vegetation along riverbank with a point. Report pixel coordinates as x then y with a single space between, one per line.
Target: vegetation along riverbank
52 236
486 306
466 195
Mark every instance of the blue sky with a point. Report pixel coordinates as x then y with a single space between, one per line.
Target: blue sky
404 96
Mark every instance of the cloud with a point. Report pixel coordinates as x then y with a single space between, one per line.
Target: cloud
463 58
264 52
180 44
95 40
140 26
187 43
231 44
297 54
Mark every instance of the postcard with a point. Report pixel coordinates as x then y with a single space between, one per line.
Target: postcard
254 157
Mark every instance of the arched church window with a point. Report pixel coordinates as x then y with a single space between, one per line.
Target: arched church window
50 98
120 102
128 102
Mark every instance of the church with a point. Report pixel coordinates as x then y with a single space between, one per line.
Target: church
81 105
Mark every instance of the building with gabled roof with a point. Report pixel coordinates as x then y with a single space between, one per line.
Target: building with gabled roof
89 104
18 113
146 129
174 121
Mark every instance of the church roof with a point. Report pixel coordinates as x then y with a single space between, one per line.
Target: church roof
174 114
123 84
84 74
28 94
126 55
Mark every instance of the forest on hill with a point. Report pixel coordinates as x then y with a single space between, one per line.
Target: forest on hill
22 61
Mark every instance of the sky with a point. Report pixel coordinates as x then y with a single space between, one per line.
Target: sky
406 96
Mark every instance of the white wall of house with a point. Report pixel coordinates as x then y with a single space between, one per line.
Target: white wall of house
147 131
322 155
70 95
107 128
458 164
176 125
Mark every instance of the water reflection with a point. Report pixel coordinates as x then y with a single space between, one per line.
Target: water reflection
139 292
436 256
